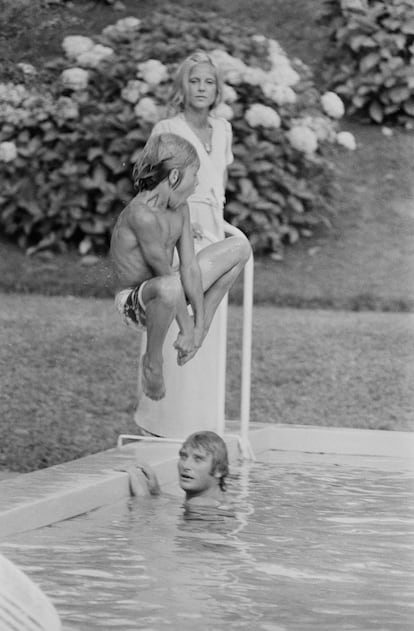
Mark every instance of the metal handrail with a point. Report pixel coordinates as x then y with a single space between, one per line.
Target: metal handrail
248 287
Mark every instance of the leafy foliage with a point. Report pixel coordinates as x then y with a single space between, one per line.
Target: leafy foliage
75 148
372 62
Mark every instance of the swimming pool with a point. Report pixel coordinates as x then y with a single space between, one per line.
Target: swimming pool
315 542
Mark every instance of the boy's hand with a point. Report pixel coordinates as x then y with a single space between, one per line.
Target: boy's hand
197 231
185 342
186 347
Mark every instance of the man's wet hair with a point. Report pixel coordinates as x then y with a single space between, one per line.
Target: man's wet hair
213 444
161 154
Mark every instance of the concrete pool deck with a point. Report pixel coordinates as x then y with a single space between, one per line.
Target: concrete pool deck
34 500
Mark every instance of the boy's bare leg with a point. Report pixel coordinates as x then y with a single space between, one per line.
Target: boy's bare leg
160 299
220 265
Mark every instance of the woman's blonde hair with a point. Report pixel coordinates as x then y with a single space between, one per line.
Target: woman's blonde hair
179 91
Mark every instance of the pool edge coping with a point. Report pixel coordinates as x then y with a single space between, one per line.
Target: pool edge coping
43 497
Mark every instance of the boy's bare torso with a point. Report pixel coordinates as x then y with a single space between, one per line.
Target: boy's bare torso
129 262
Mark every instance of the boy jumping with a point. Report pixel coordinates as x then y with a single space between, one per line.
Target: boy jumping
151 291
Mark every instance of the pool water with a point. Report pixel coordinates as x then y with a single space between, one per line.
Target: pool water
312 543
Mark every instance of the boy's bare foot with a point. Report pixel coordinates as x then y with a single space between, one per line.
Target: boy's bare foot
152 381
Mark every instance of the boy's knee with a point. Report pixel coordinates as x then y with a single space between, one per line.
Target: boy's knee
245 248
169 289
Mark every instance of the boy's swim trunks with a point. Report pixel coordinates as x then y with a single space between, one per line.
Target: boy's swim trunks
130 306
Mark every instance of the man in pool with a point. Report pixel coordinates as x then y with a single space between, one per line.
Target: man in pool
151 290
203 466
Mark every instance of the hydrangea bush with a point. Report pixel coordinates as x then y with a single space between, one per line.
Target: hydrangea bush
371 64
67 147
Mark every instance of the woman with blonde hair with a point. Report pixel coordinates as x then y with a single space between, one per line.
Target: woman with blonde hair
197 90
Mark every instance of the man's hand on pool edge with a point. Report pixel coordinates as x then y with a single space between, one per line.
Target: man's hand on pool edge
142 480
151 478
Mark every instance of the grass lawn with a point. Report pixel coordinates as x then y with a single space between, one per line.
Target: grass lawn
69 370
67 364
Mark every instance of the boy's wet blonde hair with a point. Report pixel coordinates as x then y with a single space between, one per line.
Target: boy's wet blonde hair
179 92
161 154
213 444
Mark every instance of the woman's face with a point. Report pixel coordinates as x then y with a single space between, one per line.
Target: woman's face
202 87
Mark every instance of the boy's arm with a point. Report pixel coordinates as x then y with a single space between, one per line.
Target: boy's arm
191 275
146 230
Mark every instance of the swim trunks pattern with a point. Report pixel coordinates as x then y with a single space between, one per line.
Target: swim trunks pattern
133 309
129 305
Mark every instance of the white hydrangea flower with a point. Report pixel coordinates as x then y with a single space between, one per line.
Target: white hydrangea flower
347 140
27 69
332 105
279 94
13 93
303 139
323 127
75 45
147 109
261 115
233 77
354 5
8 151
225 111
153 71
67 108
259 39
133 91
254 76
274 48
229 94
85 246
4 91
281 71
75 78
128 24
232 68
91 58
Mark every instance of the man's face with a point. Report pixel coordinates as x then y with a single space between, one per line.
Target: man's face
195 470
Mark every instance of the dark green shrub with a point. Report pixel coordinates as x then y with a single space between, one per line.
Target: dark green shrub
372 58
71 175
